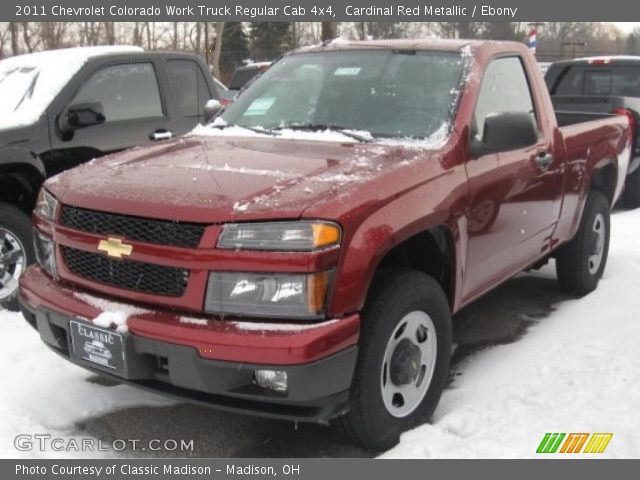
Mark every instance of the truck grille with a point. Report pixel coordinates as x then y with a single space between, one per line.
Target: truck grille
126 274
161 232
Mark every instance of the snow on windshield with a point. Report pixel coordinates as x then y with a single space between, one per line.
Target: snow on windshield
366 96
28 83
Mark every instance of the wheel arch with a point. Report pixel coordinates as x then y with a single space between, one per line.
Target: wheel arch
22 173
428 245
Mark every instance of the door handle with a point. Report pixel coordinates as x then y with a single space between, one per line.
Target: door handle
161 135
543 160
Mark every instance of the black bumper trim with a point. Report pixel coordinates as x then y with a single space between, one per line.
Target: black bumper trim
318 391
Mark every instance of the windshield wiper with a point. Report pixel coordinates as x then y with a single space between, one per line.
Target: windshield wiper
29 92
262 130
347 132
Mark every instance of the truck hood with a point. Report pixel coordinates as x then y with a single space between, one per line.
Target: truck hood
223 179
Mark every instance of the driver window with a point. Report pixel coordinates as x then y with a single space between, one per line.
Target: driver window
504 89
126 92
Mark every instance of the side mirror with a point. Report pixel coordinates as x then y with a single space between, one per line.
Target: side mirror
81 115
504 132
212 108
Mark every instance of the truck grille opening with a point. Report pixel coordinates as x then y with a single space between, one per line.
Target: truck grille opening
160 232
126 274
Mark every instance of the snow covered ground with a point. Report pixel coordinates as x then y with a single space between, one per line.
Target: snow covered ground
576 371
44 394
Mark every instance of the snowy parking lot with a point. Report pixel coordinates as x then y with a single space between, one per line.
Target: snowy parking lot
529 360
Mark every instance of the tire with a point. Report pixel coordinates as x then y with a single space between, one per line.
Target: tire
576 268
631 195
16 235
398 297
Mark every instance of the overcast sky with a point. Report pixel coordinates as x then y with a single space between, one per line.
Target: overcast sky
626 26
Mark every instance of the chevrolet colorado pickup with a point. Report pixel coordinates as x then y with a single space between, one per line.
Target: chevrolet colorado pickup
589 88
63 107
301 256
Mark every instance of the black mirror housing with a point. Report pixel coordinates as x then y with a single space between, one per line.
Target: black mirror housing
505 131
81 115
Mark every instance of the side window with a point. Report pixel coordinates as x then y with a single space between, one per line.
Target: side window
190 86
126 92
504 89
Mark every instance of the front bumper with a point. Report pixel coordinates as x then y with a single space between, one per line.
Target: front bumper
211 364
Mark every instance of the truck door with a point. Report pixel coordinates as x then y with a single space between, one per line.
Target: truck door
135 111
510 214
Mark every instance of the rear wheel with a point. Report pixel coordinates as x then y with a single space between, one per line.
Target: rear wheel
16 252
581 262
403 361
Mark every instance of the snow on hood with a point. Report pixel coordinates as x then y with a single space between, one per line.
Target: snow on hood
28 83
214 179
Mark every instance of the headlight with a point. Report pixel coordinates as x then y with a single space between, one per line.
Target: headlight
46 205
45 253
290 295
280 236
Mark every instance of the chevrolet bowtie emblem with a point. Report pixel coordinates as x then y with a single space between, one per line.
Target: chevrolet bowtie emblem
115 248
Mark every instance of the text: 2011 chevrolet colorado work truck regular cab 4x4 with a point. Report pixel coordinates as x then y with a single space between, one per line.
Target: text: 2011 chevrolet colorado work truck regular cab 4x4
301 257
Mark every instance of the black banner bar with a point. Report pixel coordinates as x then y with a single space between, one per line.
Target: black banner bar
314 469
319 10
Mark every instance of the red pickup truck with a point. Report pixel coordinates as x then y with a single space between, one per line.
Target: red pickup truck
301 256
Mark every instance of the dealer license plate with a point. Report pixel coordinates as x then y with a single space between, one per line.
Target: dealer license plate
97 345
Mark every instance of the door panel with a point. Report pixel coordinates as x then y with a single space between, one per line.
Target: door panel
512 194
132 102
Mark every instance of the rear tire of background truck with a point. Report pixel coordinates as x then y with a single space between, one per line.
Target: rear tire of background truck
581 262
16 252
631 195
403 359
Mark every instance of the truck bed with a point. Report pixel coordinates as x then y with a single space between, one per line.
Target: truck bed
602 128
574 110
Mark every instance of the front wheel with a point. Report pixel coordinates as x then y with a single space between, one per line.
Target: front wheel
16 252
403 361
581 262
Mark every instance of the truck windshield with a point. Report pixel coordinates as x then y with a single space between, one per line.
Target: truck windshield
383 92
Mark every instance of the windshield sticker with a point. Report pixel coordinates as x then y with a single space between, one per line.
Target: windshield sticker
259 106
347 71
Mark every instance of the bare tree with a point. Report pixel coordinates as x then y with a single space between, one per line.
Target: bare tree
4 36
52 34
110 33
198 36
13 28
329 31
27 36
207 45
458 29
218 49
361 30
90 33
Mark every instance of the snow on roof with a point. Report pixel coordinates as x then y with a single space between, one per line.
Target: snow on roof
603 58
28 83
